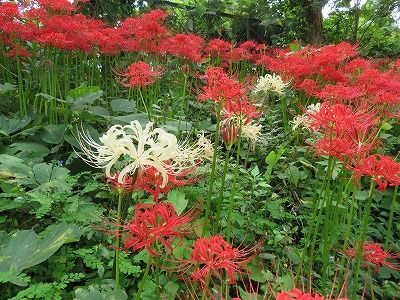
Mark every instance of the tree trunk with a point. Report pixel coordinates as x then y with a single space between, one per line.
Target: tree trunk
313 14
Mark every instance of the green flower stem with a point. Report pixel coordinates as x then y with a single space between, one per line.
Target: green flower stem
391 214
213 166
144 104
144 278
364 227
221 191
330 222
284 114
347 234
182 104
315 218
21 93
233 190
117 250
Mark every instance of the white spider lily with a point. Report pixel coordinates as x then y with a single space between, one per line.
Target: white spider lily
270 83
304 120
149 148
106 153
252 132
137 149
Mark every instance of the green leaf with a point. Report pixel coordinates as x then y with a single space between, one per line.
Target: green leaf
255 172
29 151
170 290
13 277
142 118
6 87
386 126
82 91
24 249
122 105
293 175
53 134
11 166
9 126
178 200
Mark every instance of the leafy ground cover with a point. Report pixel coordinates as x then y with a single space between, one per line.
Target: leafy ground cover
140 163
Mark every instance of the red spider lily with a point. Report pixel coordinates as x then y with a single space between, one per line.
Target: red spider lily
127 185
213 256
140 74
339 93
218 48
153 223
383 169
296 294
147 30
186 46
230 132
243 108
150 180
19 51
220 87
373 254
339 117
309 86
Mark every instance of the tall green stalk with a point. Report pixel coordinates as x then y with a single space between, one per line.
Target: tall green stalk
213 166
221 191
233 189
118 243
144 278
391 214
366 213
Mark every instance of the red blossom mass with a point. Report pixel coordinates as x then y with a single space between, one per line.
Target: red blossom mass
373 255
214 256
153 223
383 169
297 294
220 87
140 74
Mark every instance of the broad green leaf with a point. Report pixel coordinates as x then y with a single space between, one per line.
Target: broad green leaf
29 151
98 111
53 134
178 200
122 105
11 166
82 91
25 249
142 118
255 172
11 125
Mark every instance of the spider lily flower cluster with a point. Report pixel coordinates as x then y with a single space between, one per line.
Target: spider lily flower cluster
133 149
374 256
